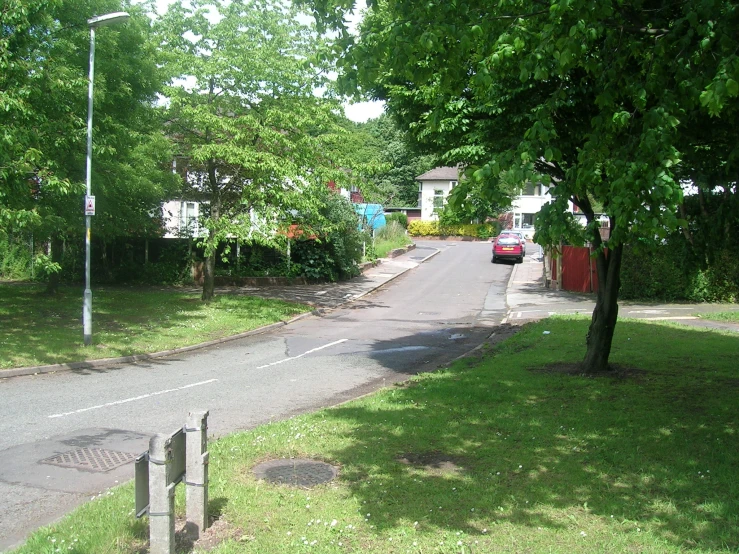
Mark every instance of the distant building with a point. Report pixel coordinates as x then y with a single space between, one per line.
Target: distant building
182 219
435 186
433 190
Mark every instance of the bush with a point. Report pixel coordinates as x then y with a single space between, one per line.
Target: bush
337 253
15 258
398 217
670 272
433 228
418 228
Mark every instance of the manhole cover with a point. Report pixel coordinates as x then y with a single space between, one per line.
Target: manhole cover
90 459
298 472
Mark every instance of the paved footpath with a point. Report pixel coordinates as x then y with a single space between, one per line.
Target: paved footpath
528 299
324 296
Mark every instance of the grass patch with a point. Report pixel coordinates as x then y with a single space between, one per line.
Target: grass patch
731 317
507 452
389 238
37 329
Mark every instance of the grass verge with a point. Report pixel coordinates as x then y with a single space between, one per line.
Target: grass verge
37 329
389 238
511 451
730 317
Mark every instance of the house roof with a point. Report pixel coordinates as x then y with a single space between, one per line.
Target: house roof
440 174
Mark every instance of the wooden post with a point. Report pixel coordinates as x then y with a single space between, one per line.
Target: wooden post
161 496
196 480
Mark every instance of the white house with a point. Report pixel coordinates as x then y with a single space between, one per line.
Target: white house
435 186
181 219
526 205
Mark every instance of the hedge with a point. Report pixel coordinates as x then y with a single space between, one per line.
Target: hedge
419 228
669 272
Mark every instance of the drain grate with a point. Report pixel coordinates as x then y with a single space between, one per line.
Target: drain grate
299 472
90 459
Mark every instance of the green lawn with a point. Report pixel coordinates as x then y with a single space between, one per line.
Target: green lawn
36 329
509 451
730 317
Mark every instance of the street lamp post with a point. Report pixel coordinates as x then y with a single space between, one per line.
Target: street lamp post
93 22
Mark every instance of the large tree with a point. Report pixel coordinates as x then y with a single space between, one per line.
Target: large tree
402 162
44 61
605 101
244 111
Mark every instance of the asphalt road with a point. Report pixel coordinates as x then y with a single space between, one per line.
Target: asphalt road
418 322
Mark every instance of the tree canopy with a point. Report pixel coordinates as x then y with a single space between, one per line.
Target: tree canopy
244 112
612 103
44 56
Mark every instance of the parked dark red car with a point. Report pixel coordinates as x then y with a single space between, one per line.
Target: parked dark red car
508 246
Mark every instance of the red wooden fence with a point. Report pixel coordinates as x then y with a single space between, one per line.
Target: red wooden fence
575 270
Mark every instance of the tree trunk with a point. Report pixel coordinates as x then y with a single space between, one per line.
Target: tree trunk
209 271
211 244
605 314
57 245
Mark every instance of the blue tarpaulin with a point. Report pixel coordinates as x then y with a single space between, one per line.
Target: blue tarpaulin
372 216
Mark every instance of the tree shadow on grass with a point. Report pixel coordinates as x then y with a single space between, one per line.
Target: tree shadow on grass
655 448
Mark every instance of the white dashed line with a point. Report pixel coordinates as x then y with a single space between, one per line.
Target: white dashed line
142 397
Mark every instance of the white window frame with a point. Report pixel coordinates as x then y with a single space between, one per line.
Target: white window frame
438 195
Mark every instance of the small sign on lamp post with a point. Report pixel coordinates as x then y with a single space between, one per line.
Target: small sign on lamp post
89 205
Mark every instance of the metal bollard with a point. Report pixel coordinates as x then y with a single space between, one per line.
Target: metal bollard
196 473
161 495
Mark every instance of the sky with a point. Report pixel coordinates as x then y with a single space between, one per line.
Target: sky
358 112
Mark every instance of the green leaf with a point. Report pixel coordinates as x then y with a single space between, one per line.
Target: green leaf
732 87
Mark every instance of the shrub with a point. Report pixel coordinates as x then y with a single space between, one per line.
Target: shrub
670 272
338 251
433 228
419 228
398 217
15 258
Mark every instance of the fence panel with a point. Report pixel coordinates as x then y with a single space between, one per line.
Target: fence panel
576 269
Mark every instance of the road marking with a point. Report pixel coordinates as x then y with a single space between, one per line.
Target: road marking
303 354
142 397
667 317
656 311
400 349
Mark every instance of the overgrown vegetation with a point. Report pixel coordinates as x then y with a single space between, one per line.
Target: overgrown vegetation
15 258
393 235
38 329
399 217
511 451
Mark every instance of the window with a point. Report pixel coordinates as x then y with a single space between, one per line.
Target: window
523 221
531 189
189 218
438 198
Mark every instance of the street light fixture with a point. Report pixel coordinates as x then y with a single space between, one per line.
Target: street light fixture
93 22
